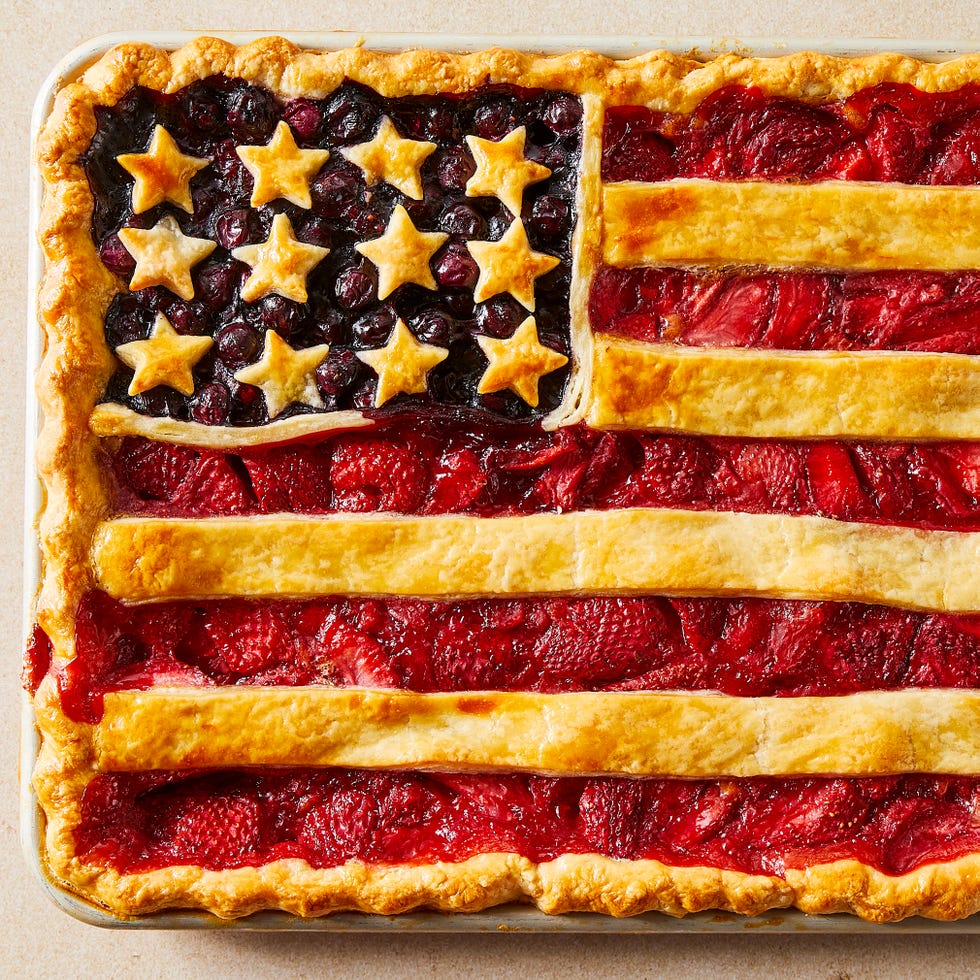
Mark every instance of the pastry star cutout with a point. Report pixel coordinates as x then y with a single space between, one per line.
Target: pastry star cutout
280 264
164 256
282 169
402 254
518 362
286 376
502 171
392 159
163 173
165 358
509 266
402 365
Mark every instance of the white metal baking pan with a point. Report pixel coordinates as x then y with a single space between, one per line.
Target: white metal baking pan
503 919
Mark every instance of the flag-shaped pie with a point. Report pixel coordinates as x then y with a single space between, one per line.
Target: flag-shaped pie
491 477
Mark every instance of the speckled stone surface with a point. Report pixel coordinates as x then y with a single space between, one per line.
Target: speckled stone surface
37 939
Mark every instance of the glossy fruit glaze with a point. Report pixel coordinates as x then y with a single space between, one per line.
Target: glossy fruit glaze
212 117
142 821
921 311
883 133
745 647
463 463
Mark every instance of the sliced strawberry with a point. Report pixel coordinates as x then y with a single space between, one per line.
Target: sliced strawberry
834 486
358 659
217 831
612 816
212 487
153 470
676 471
291 479
339 828
771 477
457 484
244 639
377 475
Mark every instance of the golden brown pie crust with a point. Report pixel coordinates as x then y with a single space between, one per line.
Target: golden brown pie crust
75 293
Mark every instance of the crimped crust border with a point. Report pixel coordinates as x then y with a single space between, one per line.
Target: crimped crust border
570 883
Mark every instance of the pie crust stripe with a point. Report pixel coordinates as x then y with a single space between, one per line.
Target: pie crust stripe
631 551
758 393
828 225
637 734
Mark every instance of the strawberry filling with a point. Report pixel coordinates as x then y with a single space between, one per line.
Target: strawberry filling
883 133
460 463
921 311
142 821
747 647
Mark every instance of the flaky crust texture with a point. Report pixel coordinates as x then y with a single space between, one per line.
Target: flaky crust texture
75 293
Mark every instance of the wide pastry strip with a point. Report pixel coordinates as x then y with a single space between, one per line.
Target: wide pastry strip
637 734
614 551
791 394
829 225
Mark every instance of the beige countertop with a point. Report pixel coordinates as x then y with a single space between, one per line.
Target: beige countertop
38 940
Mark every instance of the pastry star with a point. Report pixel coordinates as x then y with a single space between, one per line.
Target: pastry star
286 376
392 159
282 169
165 358
163 173
402 364
509 266
402 253
518 362
502 171
164 256
280 264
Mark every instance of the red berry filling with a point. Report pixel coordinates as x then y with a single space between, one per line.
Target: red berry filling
924 311
211 118
885 133
458 464
37 660
141 821
747 647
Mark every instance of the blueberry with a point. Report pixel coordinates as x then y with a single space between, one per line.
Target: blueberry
315 231
202 112
304 118
455 267
333 190
438 124
116 258
215 284
252 114
188 317
350 117
462 219
548 216
355 287
563 114
126 320
374 329
499 316
239 344
234 227
277 313
335 375
454 167
210 404
433 327
494 119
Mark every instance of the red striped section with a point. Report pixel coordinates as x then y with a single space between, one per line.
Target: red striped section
916 311
461 464
747 647
883 133
142 821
